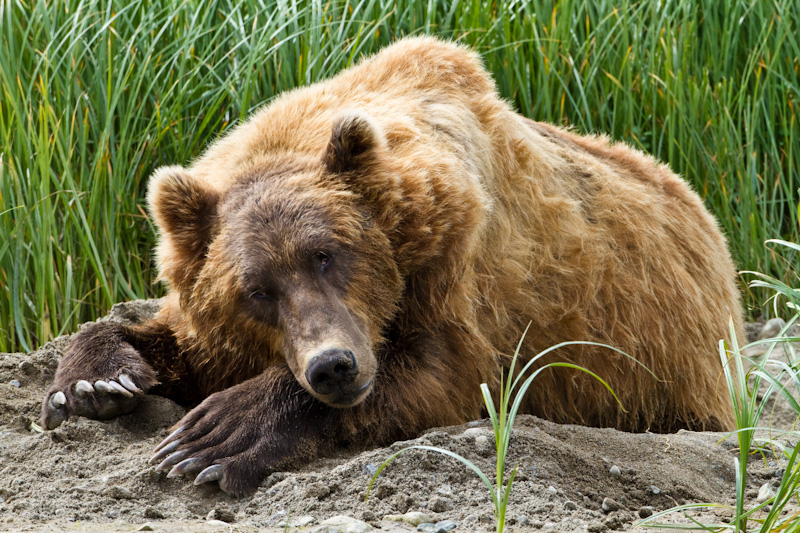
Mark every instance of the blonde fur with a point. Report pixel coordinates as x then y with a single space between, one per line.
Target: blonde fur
493 221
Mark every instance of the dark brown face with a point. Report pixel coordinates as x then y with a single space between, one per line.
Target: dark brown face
295 262
297 258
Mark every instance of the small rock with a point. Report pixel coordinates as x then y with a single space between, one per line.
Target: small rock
218 523
645 511
772 328
15 383
153 513
609 505
765 493
27 368
304 521
318 490
118 493
569 505
221 512
445 490
443 526
552 490
481 440
414 518
342 524
145 527
472 433
523 520
440 505
615 471
427 527
654 489
370 469
474 423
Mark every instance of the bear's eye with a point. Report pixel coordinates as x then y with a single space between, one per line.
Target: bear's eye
260 295
323 259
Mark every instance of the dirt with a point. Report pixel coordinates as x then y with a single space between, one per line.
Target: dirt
93 475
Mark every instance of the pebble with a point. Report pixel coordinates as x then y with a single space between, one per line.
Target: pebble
615 471
303 521
645 511
145 527
414 518
118 493
342 524
654 489
218 523
523 520
610 505
221 512
765 493
569 505
27 367
439 504
443 526
439 527
772 328
15 383
472 433
370 469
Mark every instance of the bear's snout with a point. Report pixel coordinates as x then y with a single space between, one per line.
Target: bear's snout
332 374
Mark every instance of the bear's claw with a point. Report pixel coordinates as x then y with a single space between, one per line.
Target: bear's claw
192 465
103 399
212 473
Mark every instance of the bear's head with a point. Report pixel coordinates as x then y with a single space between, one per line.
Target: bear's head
293 264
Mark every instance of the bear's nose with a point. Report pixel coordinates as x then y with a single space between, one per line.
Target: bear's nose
331 371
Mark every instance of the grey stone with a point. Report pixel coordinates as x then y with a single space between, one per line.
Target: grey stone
772 328
645 511
414 518
765 493
439 504
569 505
443 526
15 383
342 524
610 505
615 471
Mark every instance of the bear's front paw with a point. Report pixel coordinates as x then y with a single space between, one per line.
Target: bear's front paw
103 399
238 436
213 446
100 376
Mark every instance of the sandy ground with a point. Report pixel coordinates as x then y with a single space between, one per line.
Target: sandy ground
93 476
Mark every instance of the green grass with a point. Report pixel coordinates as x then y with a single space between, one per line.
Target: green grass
95 95
512 392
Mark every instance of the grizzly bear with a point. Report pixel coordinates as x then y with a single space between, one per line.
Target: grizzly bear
350 264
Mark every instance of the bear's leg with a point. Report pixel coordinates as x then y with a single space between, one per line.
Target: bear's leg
240 435
105 371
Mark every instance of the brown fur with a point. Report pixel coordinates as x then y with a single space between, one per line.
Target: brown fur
456 223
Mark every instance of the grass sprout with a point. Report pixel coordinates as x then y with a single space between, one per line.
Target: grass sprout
751 384
511 393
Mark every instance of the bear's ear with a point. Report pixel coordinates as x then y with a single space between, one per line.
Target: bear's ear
185 211
354 141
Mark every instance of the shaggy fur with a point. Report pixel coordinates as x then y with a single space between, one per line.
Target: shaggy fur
454 222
